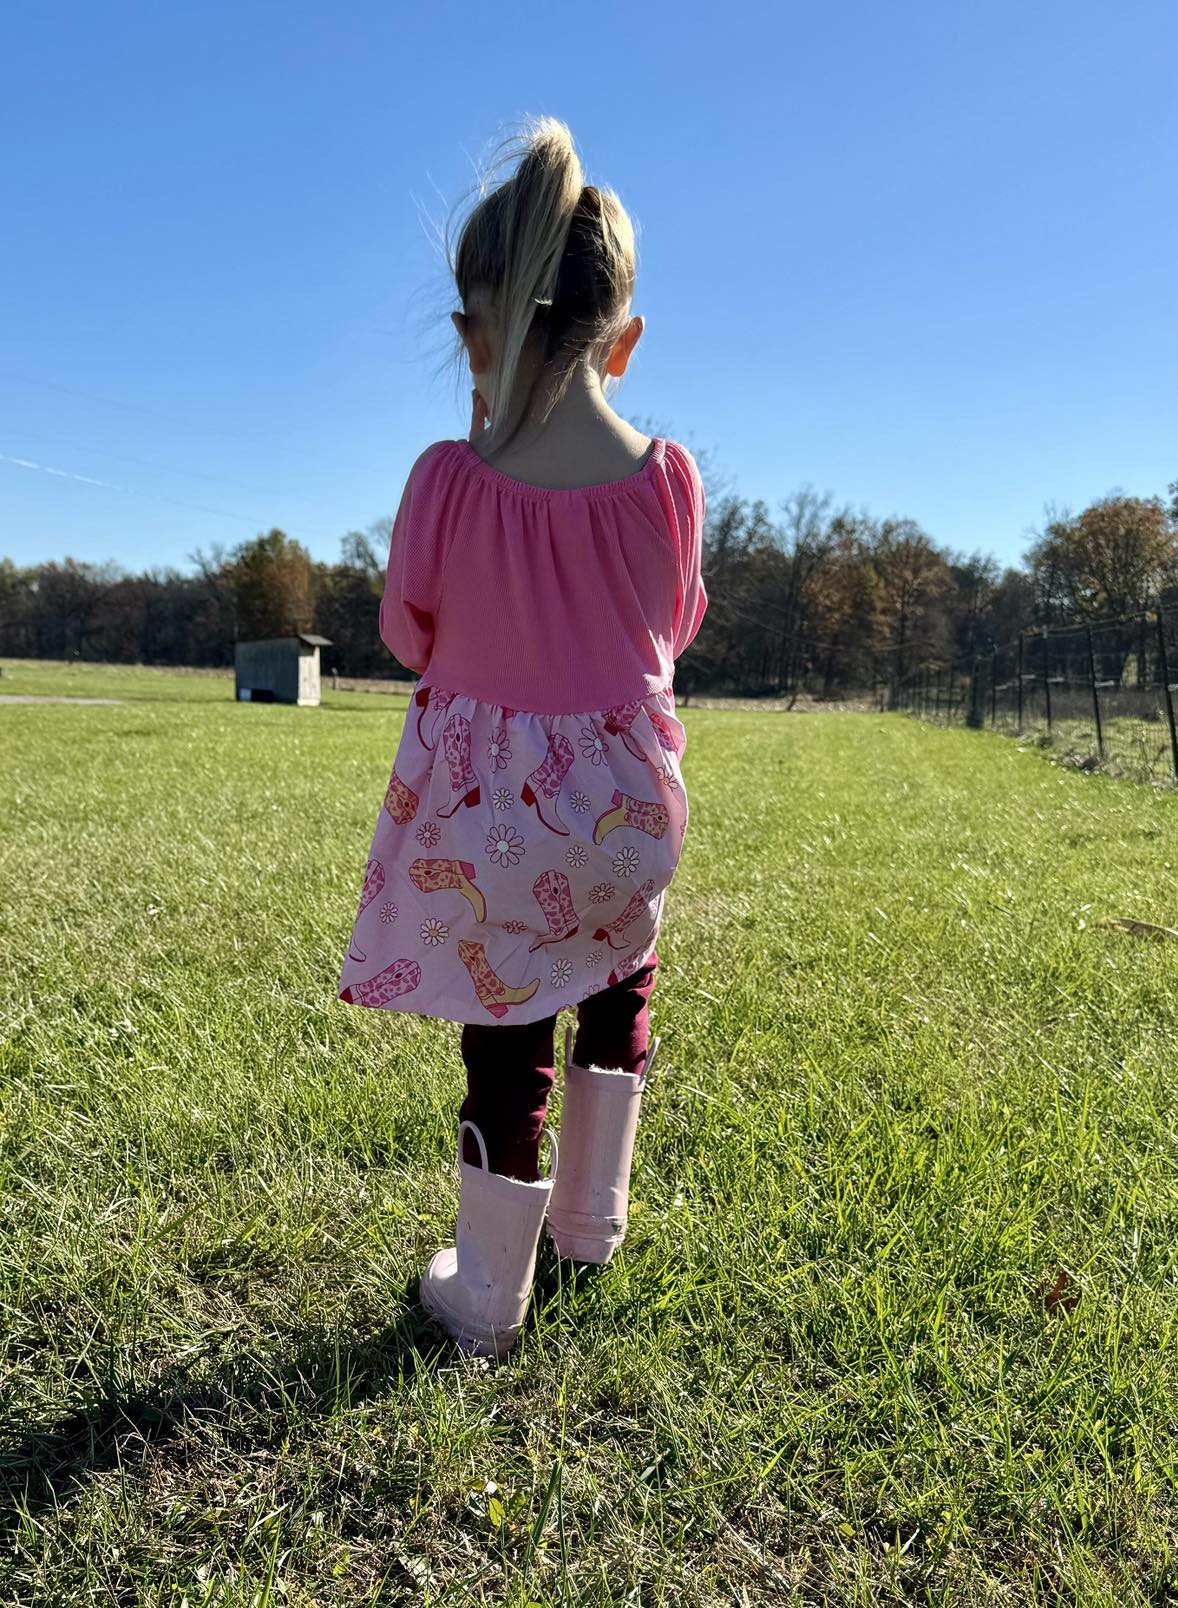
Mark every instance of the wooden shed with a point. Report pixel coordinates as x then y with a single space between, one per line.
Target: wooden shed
279 669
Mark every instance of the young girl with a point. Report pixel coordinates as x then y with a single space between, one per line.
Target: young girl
543 576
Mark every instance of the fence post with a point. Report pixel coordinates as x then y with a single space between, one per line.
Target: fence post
1167 689
937 706
1095 694
974 717
993 683
1020 682
1046 683
949 697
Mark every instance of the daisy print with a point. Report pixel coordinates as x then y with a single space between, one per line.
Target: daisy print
503 798
504 845
388 912
625 862
593 745
434 933
579 803
602 892
577 856
498 749
561 971
514 926
593 958
429 834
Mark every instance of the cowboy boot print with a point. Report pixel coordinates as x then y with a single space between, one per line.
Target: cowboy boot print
665 732
492 991
437 701
541 791
617 722
373 883
463 781
554 896
432 876
627 967
402 977
642 814
400 801
637 905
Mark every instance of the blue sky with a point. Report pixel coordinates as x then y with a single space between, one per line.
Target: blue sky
922 256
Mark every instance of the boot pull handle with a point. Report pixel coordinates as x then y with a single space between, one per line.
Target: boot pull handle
479 1140
553 1152
553 1149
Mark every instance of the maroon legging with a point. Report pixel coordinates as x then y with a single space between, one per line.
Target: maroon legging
510 1070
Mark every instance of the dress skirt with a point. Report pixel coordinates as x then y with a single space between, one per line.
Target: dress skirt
520 860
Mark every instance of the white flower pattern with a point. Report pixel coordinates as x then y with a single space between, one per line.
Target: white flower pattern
388 912
577 856
434 933
498 749
503 798
602 892
562 971
504 845
593 745
579 802
429 834
625 862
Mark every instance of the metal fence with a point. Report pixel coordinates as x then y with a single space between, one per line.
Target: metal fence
1101 694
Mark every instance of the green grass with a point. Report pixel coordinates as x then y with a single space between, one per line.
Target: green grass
908 1076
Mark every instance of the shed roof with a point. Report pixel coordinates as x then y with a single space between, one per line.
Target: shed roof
314 641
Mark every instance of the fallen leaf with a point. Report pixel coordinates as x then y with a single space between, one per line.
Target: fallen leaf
1057 1296
1139 929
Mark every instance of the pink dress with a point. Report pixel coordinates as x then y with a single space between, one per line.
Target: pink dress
536 810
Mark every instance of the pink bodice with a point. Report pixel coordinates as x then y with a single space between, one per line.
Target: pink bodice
552 601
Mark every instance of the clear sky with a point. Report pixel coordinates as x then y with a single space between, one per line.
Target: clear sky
921 255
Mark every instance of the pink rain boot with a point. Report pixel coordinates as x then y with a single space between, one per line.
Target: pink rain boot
478 1287
587 1215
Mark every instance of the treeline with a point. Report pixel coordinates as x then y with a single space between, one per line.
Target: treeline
267 587
826 600
813 598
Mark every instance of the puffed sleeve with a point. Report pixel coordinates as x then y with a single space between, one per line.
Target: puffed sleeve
690 505
413 577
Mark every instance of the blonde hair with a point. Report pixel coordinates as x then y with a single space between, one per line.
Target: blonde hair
548 259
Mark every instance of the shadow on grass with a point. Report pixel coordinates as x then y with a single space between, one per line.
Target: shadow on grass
250 1401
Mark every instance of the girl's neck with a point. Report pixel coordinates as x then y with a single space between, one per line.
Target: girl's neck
582 442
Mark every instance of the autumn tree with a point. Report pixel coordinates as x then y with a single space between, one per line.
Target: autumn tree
838 597
273 584
909 574
1110 560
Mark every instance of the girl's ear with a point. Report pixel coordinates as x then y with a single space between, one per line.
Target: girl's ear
620 352
475 341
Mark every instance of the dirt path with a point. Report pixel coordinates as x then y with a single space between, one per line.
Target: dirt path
33 697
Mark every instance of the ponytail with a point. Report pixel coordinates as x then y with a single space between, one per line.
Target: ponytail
544 253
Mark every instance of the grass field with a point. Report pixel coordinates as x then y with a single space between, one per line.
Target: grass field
908 1077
